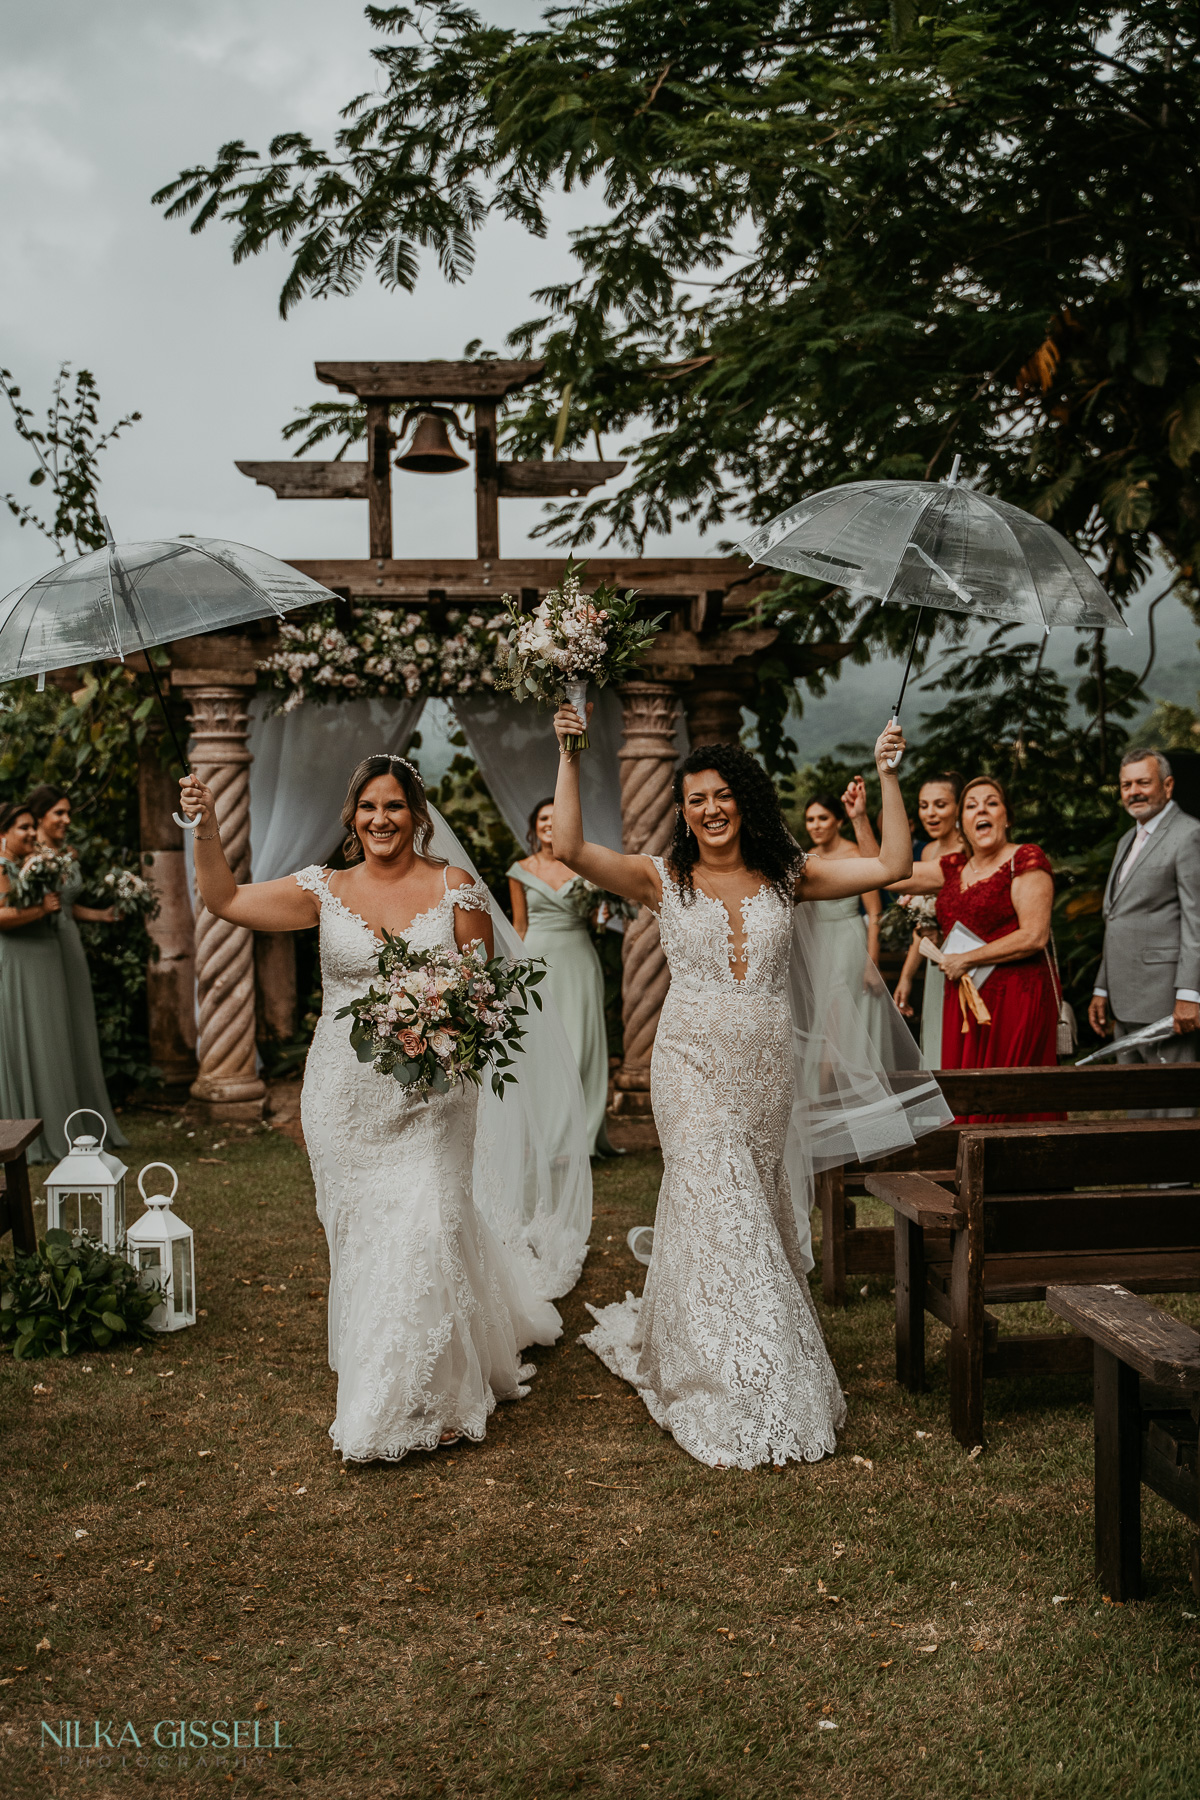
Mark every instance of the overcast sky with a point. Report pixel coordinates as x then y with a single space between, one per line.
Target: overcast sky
100 104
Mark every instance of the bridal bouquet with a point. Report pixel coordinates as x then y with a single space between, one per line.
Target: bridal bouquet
46 872
437 1017
130 895
569 639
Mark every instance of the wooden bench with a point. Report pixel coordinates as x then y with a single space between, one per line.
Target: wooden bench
1032 1207
1147 1407
16 1202
850 1250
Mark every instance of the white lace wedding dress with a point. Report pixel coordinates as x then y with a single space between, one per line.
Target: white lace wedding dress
428 1312
724 1345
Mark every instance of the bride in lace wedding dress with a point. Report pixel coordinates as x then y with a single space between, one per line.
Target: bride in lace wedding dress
724 1345
445 1245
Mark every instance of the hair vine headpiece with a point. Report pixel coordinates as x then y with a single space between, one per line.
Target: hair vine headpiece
390 756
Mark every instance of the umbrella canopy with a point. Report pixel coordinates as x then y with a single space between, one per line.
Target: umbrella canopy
128 597
932 543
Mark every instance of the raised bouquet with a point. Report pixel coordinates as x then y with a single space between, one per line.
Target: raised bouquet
45 872
569 639
440 1017
128 894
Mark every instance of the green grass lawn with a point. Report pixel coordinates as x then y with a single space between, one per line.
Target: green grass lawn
573 1607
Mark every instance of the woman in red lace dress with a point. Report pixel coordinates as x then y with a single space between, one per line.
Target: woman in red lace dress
1003 892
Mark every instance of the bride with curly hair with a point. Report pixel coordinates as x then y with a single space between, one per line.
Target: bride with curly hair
761 1072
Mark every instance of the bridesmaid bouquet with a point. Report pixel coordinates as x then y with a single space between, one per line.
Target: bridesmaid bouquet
130 895
46 872
437 1017
569 639
595 904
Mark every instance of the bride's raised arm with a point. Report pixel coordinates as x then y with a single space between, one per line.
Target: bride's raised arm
260 906
633 877
834 879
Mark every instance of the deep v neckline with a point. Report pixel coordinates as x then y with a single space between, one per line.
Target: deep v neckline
374 936
747 900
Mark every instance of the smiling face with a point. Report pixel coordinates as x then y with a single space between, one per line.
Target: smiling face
20 840
937 809
54 825
543 826
1144 789
821 825
383 820
710 810
985 820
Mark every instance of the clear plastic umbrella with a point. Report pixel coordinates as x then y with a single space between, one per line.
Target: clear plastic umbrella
933 543
128 597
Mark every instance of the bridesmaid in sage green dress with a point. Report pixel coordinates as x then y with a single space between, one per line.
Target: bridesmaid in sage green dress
51 807
37 1074
550 913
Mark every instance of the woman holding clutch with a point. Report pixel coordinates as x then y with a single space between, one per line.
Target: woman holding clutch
1001 893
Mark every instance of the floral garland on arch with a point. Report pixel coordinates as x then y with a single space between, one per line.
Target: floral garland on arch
386 652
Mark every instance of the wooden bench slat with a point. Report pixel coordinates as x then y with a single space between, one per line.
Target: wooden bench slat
16 1135
1113 1152
1162 1349
917 1198
1068 1089
1131 1218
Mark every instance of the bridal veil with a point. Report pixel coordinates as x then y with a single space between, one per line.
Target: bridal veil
532 1175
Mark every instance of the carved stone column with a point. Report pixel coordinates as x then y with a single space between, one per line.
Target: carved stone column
224 953
713 702
171 980
647 757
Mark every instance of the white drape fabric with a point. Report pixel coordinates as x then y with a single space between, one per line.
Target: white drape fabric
302 763
517 754
532 1178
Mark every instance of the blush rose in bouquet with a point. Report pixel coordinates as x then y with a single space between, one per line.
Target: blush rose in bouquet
437 1018
569 639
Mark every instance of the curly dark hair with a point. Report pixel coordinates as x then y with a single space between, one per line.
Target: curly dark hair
768 847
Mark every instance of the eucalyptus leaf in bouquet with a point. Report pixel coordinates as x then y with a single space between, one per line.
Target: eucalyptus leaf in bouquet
571 638
440 1018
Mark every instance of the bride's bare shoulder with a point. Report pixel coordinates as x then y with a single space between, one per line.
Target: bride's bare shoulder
457 878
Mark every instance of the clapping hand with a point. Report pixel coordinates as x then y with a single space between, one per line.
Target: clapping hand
855 798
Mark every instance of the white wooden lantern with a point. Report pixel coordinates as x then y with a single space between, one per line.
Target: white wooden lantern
161 1247
86 1190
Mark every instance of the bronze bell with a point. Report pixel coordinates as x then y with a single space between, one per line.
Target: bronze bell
431 452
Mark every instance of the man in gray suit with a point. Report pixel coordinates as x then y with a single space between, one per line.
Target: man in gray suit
1150 964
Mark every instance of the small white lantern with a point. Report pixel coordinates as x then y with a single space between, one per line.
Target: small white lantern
86 1190
161 1247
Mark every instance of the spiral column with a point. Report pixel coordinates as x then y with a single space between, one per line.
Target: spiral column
225 1050
647 759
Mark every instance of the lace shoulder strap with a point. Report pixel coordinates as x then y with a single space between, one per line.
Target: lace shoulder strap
314 879
473 896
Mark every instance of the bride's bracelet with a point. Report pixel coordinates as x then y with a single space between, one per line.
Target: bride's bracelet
205 837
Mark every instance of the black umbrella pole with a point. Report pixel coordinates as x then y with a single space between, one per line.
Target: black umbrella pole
179 751
912 649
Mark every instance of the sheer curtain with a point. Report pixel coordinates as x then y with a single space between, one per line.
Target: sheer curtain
517 754
302 763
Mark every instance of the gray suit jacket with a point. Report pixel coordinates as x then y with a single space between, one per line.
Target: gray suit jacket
1152 922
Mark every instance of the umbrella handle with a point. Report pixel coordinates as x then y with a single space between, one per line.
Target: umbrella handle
187 824
894 761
